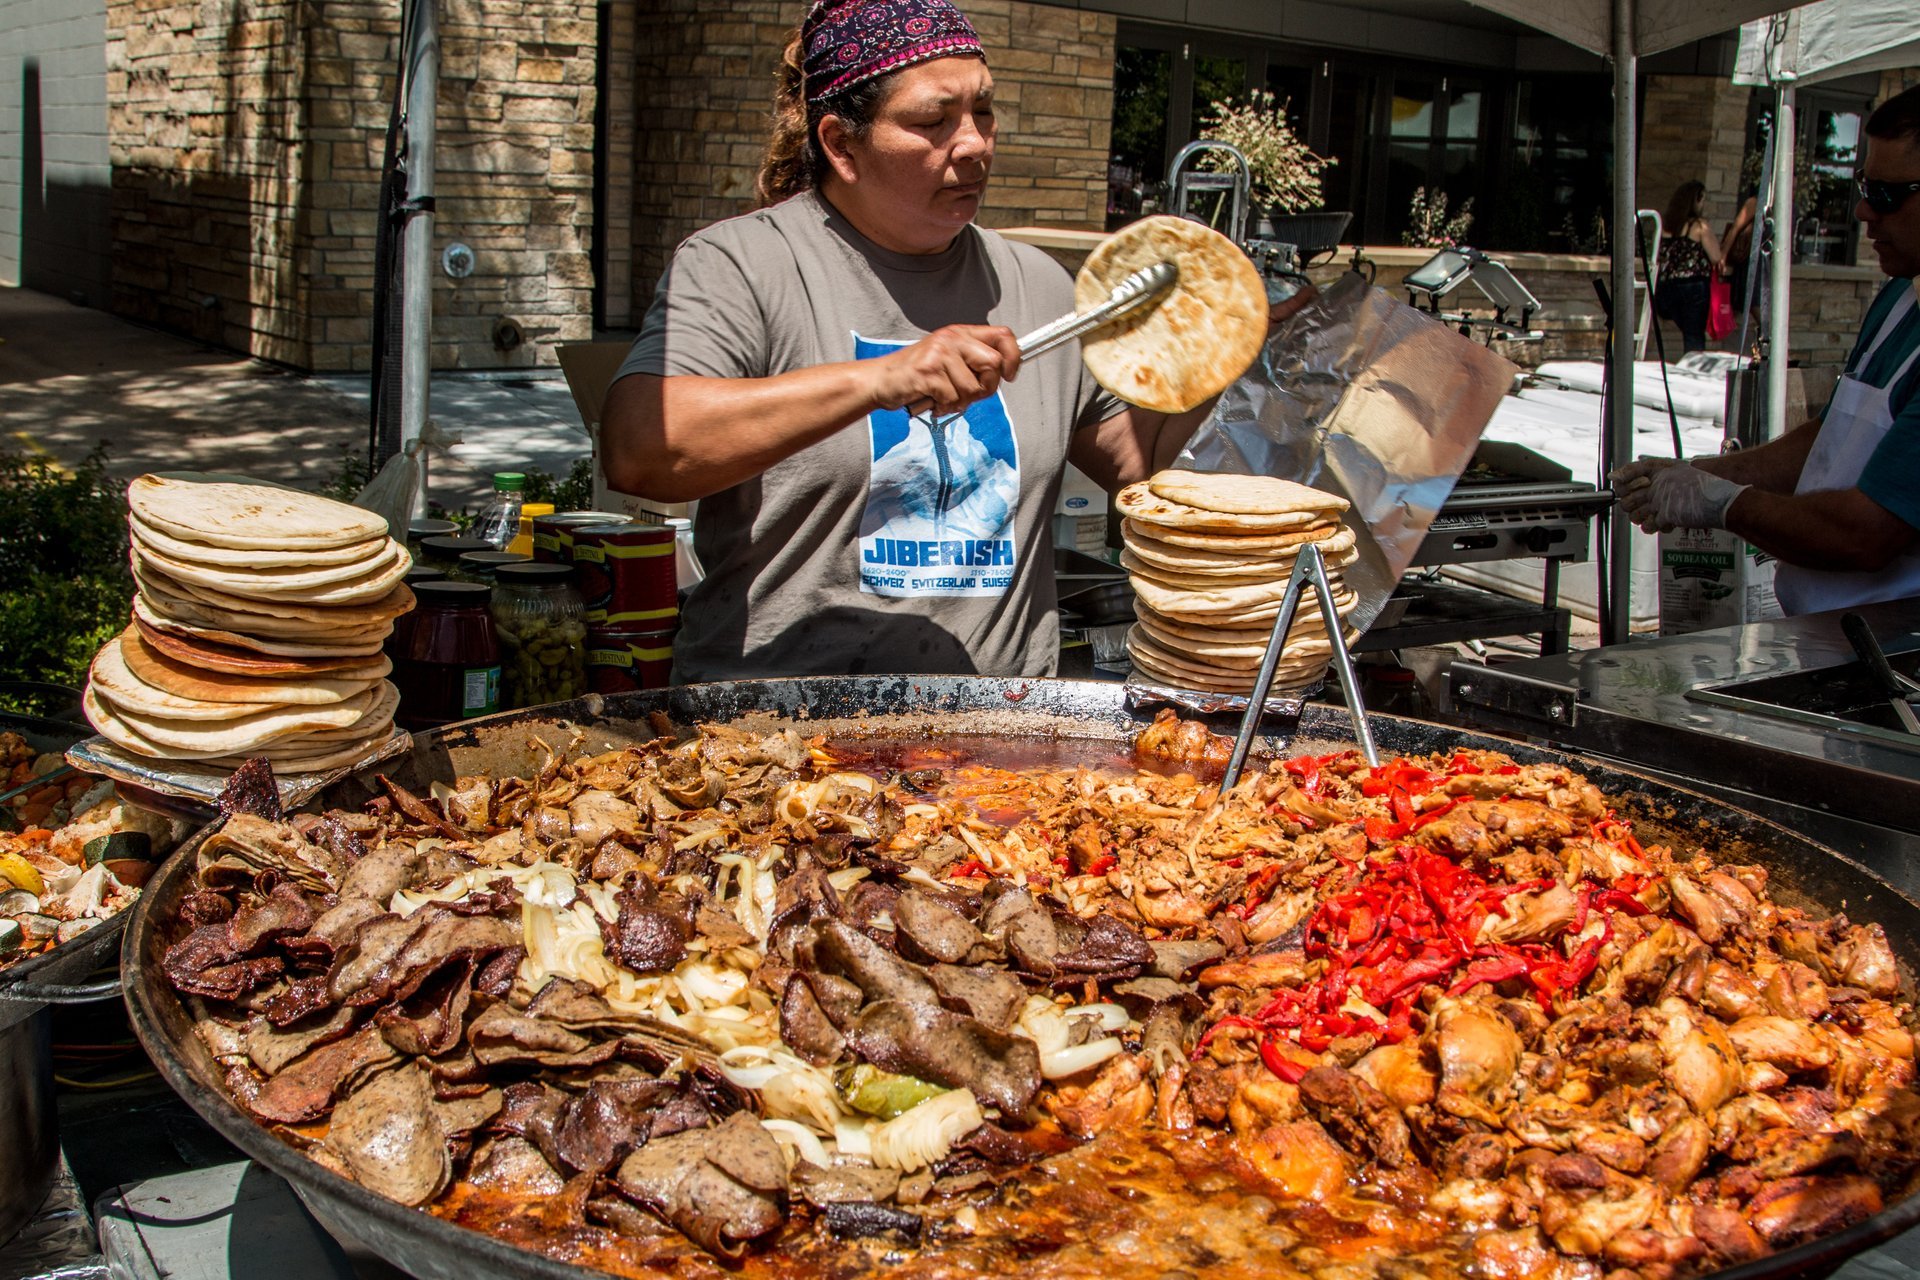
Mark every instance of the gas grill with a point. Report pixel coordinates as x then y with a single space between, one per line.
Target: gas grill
1498 516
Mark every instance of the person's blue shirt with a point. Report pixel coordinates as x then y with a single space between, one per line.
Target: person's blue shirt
1892 475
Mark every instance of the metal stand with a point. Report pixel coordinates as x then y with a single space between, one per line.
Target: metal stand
1309 567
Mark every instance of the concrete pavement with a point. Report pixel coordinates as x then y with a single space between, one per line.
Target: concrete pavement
71 377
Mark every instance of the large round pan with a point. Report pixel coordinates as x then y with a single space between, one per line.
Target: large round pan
1093 717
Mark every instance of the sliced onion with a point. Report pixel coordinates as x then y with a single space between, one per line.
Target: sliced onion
798 1142
1061 1063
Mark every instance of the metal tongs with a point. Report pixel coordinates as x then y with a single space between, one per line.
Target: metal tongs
1310 567
1900 691
1135 293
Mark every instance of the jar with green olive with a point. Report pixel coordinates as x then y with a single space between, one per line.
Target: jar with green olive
542 624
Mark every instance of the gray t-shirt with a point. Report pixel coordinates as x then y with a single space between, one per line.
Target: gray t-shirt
896 544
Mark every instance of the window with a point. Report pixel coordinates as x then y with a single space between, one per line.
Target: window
1823 211
1137 163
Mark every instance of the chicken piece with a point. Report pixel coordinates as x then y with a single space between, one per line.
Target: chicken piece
1617 1148
1548 1123
1781 1153
1484 828
1653 1252
1712 917
1729 889
1532 917
1726 1234
1513 1255
1300 1160
1647 963
1679 1155
1688 979
1863 959
1794 1210
1746 1116
1786 1043
1357 1116
1761 1077
1478 1052
1261 1101
1473 1157
1582 1223
1796 991
1472 1201
1729 993
1257 972
1277 916
1702 1063
1180 741
1398 1071
1119 1098
1604 860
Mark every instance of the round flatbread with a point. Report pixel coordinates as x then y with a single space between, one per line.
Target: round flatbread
1242 495
108 724
1168 555
1306 620
1203 601
324 761
323 586
1303 642
203 739
112 680
1226 573
1248 544
1172 657
1214 681
239 613
241 516
1140 504
205 553
289 636
204 649
1192 343
155 670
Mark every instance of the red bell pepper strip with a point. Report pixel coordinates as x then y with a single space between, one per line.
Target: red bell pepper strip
971 869
1281 1065
1102 864
1493 969
1206 1037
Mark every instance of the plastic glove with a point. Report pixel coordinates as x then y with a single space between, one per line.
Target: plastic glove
1685 497
1633 487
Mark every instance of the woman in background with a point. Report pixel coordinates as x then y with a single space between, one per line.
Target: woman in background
1689 255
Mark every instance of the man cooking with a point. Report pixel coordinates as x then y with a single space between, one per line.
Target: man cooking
1837 499
833 376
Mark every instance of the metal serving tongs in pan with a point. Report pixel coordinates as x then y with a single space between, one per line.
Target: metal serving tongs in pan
1900 691
1308 569
1135 294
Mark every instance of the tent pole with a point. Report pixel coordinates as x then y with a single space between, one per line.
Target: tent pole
423 88
1780 263
1618 429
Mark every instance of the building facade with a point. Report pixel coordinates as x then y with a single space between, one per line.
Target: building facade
212 166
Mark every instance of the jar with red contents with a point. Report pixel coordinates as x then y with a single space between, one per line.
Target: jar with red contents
450 668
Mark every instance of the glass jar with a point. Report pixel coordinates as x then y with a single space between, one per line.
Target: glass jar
542 624
395 646
443 551
480 566
427 527
450 667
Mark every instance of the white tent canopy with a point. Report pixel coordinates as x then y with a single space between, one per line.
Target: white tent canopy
1828 40
1657 24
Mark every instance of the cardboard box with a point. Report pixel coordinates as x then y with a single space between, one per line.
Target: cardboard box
590 367
1712 578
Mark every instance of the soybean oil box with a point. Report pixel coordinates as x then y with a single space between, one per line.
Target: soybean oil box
590 367
1712 578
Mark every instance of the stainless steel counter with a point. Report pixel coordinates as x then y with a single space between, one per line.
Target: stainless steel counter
1691 708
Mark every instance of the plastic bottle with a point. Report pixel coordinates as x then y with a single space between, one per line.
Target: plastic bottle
499 521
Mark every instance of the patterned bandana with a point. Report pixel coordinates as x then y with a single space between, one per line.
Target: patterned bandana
849 42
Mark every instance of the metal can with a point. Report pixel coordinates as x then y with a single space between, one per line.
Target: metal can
553 533
626 574
623 659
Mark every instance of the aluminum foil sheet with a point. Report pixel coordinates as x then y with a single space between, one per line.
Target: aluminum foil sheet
1364 396
201 784
1288 703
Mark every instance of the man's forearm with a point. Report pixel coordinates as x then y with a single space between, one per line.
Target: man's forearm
1840 530
1774 466
678 439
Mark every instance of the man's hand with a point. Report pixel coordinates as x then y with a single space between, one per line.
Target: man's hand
1286 307
949 369
1681 497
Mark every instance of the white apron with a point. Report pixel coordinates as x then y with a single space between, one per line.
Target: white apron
1857 419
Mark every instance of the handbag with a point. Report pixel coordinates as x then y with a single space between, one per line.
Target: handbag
1719 307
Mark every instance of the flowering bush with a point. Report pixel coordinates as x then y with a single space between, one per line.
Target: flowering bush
1286 173
1428 224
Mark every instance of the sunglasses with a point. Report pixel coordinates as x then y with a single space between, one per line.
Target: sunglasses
1885 197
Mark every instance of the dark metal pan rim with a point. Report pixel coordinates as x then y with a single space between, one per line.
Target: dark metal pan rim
436 1249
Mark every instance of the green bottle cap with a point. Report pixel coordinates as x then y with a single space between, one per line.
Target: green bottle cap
509 481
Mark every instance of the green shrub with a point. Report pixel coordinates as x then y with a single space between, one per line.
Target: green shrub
64 585
572 493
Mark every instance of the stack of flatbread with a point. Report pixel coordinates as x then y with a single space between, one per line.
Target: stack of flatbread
257 628
1210 556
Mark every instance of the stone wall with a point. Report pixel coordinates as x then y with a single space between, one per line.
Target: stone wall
205 129
247 138
55 233
1692 128
704 83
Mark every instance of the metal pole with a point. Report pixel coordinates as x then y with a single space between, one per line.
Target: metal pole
1780 286
423 87
1619 425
